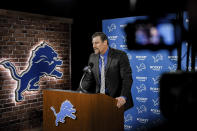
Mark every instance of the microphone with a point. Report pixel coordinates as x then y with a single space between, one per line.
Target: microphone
86 70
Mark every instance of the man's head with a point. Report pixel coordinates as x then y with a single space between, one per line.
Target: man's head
99 42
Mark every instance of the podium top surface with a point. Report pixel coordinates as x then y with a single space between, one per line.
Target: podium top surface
72 91
51 89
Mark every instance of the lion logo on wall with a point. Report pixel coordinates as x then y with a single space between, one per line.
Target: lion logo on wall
43 62
66 110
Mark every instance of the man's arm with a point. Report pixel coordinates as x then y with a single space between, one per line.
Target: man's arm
125 72
88 81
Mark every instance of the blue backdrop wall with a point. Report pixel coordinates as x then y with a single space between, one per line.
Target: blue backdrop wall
147 67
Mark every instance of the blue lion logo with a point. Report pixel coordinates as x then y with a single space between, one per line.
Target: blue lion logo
43 62
66 110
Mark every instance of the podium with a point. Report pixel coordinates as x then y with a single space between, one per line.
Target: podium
94 112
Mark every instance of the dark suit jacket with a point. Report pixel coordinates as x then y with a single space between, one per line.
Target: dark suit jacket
118 79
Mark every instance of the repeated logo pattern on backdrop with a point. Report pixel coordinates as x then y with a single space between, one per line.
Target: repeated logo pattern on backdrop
147 67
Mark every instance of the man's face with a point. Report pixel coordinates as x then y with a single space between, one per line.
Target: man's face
99 46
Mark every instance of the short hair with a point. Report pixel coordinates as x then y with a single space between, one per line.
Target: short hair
102 36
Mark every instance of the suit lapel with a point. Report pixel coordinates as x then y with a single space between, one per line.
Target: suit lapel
97 67
109 59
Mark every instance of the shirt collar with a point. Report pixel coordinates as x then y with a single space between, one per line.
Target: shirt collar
106 53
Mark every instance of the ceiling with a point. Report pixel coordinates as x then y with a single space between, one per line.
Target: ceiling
93 8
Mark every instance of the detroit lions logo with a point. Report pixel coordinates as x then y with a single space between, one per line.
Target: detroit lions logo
113 45
142 109
157 58
155 102
141 88
128 117
172 68
141 67
156 79
43 62
111 27
66 110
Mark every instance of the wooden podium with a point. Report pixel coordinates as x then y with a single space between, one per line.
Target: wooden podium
94 112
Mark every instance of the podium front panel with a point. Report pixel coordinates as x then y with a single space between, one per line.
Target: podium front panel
94 112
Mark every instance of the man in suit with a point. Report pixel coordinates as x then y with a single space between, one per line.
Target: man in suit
116 80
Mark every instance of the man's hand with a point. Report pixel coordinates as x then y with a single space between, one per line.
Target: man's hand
120 101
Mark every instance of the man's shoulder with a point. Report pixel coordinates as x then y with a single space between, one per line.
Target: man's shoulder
93 55
116 51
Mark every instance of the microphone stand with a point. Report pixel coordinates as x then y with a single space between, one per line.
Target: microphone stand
81 88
